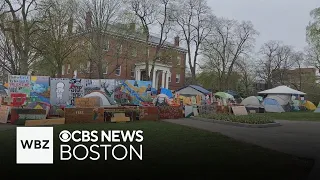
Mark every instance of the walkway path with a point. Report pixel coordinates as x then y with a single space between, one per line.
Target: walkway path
300 138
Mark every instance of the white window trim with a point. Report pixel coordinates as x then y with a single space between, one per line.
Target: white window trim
119 71
134 52
63 69
178 75
178 60
69 69
119 48
106 70
88 66
106 45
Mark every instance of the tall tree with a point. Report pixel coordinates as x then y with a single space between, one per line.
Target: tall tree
99 16
194 19
21 29
57 40
152 14
313 39
228 41
274 63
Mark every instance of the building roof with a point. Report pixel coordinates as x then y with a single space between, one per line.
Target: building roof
196 87
136 34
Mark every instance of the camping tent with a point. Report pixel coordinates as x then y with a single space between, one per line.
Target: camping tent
193 90
104 100
283 95
310 106
272 105
253 103
282 90
318 109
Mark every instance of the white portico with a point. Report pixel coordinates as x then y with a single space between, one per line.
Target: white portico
160 69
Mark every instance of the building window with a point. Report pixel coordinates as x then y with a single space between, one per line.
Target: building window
63 69
119 48
88 66
169 78
134 52
105 68
118 71
106 46
178 60
159 56
132 71
69 69
177 78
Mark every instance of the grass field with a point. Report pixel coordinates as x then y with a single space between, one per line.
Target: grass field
169 151
296 116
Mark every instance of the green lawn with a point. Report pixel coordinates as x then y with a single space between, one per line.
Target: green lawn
169 151
296 116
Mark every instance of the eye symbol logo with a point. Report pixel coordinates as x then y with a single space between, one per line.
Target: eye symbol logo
65 136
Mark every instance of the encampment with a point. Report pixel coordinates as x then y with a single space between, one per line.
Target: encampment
283 96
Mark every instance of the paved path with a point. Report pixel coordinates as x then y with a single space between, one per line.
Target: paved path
298 138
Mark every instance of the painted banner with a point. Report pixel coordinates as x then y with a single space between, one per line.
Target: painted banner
76 90
19 116
91 85
140 91
19 84
59 91
108 86
4 113
40 88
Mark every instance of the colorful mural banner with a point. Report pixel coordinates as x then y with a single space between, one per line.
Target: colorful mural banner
59 91
76 90
19 84
40 88
108 86
139 91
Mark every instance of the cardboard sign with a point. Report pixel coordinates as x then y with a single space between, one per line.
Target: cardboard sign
239 110
84 115
4 113
19 116
87 102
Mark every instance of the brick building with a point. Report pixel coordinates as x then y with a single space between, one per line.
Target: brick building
124 57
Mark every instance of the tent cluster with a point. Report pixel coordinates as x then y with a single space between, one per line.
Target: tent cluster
279 99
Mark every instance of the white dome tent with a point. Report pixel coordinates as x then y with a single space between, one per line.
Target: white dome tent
284 90
251 101
283 95
104 101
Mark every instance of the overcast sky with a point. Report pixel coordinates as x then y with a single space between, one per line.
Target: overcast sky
283 20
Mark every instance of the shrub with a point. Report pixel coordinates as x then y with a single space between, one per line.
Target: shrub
248 119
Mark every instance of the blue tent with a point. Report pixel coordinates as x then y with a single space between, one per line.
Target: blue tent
272 105
166 92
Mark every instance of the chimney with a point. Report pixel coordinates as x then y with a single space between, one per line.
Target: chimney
132 27
176 41
88 20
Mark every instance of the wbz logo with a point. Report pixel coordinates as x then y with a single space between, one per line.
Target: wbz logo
34 145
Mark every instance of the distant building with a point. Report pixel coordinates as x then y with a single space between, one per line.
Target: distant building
124 59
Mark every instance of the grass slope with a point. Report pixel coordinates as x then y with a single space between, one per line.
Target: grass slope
169 151
296 116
